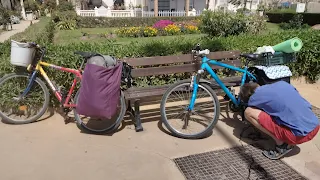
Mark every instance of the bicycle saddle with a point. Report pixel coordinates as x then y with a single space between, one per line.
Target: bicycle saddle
85 55
250 56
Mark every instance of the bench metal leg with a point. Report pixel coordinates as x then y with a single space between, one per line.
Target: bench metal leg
135 115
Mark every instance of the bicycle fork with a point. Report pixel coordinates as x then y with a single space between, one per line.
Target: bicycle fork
194 84
28 88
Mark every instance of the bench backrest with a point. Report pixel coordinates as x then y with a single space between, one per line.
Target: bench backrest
178 63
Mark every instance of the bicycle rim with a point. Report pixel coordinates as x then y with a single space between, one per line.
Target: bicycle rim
97 126
21 109
174 111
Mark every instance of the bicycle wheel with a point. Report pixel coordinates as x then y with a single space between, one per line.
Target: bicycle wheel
97 126
177 110
36 101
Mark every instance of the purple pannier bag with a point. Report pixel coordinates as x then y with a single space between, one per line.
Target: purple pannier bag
99 91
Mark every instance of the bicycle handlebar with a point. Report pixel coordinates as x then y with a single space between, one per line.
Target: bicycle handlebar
197 50
37 46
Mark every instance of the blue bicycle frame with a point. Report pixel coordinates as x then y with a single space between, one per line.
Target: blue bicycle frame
205 66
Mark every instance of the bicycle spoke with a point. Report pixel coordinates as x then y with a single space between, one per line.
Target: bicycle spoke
201 117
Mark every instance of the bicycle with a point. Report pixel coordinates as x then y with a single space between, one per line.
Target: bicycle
23 108
195 85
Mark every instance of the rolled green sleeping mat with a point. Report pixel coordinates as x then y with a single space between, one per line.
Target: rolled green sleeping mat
289 46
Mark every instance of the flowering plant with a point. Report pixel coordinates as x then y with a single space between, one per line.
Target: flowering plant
162 24
150 32
172 29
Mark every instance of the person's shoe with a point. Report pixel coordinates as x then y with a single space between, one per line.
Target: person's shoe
279 151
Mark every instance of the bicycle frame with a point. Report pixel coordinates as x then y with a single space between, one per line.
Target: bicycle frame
205 66
57 93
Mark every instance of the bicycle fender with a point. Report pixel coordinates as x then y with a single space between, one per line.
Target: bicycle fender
205 81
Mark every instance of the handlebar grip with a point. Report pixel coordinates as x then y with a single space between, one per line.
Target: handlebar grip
204 52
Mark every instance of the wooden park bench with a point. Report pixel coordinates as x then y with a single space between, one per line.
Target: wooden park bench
184 63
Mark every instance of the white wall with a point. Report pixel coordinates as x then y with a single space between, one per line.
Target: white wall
179 4
109 3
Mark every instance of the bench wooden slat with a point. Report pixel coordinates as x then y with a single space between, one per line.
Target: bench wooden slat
158 60
144 92
139 72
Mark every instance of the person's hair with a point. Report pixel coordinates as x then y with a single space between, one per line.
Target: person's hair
247 90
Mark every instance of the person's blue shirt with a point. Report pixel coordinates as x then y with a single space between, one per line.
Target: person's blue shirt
286 106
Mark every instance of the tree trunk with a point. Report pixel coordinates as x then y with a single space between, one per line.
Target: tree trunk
187 5
23 11
7 4
156 8
57 1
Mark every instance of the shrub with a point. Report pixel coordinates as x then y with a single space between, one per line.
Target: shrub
162 24
31 5
65 20
308 18
65 6
295 23
4 17
226 24
50 5
104 22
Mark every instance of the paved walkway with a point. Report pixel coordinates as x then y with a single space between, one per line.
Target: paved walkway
16 28
51 150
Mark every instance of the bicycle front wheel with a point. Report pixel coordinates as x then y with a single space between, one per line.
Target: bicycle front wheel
99 126
189 124
31 107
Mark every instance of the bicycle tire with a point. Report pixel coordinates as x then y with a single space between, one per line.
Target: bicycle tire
111 128
200 134
44 107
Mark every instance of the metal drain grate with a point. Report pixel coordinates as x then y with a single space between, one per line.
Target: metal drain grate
234 163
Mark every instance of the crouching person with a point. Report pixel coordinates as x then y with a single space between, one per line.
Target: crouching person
281 112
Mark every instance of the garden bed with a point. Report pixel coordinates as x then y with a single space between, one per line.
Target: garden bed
104 35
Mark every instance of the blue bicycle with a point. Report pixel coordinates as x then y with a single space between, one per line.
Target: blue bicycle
200 98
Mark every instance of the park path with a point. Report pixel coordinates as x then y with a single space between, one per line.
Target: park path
52 150
16 28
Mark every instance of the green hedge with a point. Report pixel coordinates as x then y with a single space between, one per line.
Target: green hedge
307 65
308 18
103 22
308 59
41 32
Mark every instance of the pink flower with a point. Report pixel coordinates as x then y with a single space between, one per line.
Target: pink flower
162 24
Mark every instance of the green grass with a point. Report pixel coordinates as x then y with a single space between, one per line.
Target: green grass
272 27
94 35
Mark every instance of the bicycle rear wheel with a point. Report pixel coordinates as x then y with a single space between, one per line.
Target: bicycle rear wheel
174 107
30 108
99 126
